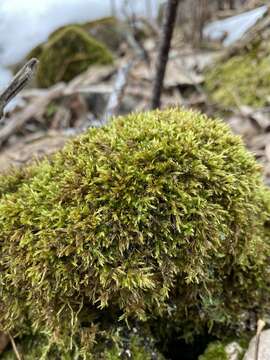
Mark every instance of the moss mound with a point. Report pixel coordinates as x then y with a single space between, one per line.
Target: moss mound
70 51
157 215
242 79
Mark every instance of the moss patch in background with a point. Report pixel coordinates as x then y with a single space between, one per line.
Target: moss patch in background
69 52
109 31
243 79
157 218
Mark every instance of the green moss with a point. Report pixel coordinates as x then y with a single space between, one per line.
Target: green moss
215 351
243 79
156 216
68 53
122 345
35 52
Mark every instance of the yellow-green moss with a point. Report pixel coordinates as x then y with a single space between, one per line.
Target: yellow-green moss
68 53
215 351
243 79
159 215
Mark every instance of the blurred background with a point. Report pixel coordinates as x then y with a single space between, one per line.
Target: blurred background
98 59
25 24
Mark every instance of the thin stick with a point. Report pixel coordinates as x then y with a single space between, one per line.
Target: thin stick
118 92
19 81
163 54
260 326
18 356
34 109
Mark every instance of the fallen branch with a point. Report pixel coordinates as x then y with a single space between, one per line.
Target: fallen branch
20 80
35 109
118 92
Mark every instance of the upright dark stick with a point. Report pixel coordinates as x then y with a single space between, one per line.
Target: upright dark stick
163 54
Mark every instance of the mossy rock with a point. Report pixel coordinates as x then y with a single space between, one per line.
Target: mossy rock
159 215
243 79
108 30
220 350
68 53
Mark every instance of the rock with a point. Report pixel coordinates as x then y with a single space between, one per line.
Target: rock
109 31
219 351
69 52
264 347
232 29
233 351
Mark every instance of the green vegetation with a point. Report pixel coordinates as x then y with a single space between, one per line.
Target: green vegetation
215 351
160 215
70 51
109 31
243 79
122 345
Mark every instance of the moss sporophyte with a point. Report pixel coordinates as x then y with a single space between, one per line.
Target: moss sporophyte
157 217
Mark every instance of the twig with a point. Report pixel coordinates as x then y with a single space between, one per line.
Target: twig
134 41
165 45
18 356
260 326
19 81
118 91
35 109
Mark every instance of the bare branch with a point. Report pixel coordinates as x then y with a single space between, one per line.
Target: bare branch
163 55
34 109
118 91
19 81
260 326
17 354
